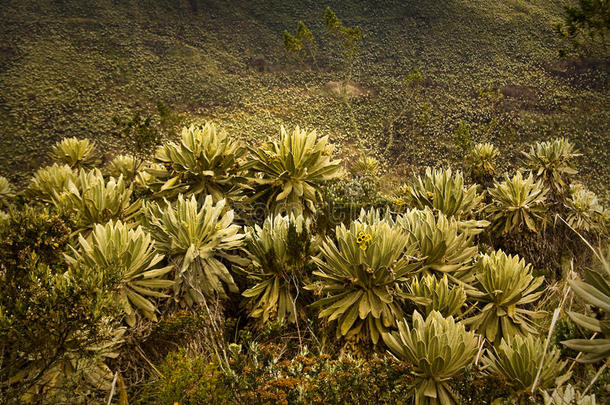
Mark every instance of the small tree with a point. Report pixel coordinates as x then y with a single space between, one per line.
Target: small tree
306 38
142 135
587 26
463 140
349 37
293 46
411 87
303 41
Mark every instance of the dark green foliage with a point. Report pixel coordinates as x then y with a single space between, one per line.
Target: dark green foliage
50 315
586 26
301 43
308 40
463 139
349 37
298 246
263 377
474 387
292 45
188 379
169 120
140 133
31 231
414 79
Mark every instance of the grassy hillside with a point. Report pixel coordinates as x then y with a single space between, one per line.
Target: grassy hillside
68 67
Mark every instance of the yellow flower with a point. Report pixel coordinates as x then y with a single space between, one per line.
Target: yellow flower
363 246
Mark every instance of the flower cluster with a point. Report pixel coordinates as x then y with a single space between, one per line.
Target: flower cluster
363 240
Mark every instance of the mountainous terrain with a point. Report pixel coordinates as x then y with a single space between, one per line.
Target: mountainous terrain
67 68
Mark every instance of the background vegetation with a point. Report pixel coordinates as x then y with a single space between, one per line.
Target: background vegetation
69 68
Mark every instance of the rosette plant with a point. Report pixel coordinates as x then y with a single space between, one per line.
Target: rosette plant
128 256
93 200
432 294
288 174
552 162
198 240
366 166
124 165
518 360
76 153
360 277
504 287
594 289
206 161
279 250
6 192
584 211
444 246
439 349
481 160
517 203
445 191
567 395
49 180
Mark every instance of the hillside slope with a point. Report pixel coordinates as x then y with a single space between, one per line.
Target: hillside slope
68 67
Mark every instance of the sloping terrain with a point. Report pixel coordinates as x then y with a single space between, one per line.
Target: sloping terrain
68 67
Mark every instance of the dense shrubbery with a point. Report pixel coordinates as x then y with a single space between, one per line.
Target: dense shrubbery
95 282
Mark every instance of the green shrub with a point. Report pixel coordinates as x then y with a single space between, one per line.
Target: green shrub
56 324
348 37
586 25
30 231
262 377
463 138
188 379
